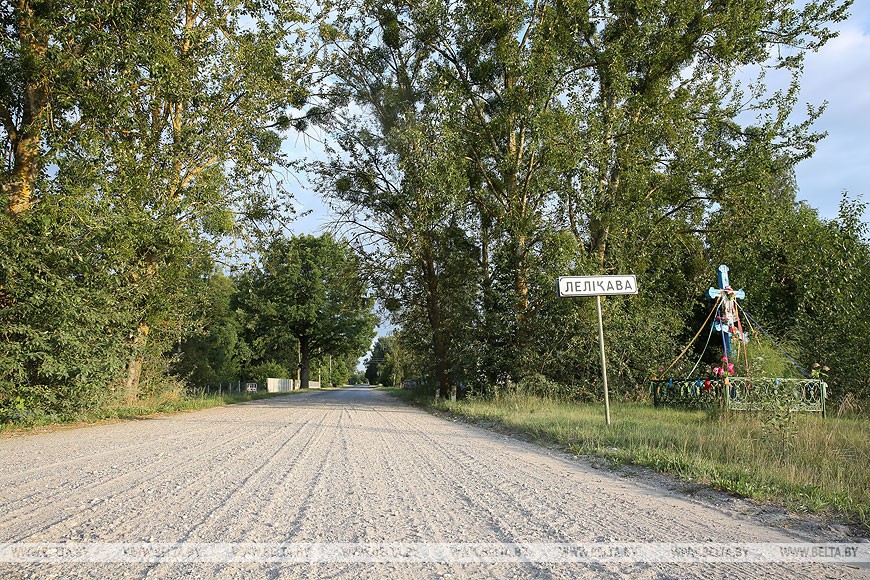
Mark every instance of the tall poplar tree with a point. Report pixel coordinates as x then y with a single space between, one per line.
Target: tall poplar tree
396 176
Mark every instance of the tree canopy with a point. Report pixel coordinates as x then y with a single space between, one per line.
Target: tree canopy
310 289
490 148
137 136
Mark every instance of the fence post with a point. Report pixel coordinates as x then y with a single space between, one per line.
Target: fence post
727 387
824 395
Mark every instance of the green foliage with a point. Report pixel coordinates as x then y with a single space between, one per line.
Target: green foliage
169 403
215 350
357 378
311 289
388 362
806 281
494 148
65 317
769 359
544 388
156 121
264 370
337 371
480 151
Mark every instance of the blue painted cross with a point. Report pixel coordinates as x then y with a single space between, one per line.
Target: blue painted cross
726 323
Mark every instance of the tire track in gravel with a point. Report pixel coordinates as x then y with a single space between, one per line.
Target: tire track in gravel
130 478
408 492
358 461
467 478
461 515
485 492
207 498
121 437
324 517
329 516
454 515
241 517
538 523
36 480
263 509
257 491
407 517
158 481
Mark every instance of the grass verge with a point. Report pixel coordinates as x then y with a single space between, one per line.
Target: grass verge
168 404
813 465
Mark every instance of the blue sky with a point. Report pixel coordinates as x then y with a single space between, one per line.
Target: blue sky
839 74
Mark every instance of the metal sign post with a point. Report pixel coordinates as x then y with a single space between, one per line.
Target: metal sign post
599 286
603 360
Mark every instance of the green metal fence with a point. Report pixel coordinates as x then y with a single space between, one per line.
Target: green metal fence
742 393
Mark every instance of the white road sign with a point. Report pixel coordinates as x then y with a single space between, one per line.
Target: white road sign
597 285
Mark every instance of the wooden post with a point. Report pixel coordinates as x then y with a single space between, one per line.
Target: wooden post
824 394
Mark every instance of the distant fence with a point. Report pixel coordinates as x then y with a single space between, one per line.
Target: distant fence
414 384
743 393
272 386
227 388
280 385
287 385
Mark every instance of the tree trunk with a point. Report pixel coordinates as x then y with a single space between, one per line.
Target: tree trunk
26 137
608 178
134 367
25 171
304 361
486 281
521 277
433 308
598 234
521 309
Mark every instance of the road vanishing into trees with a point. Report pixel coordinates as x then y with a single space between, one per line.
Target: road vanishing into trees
353 469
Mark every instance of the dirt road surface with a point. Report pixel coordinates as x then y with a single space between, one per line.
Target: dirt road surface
354 466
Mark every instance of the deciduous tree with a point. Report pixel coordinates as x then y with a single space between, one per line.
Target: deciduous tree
310 289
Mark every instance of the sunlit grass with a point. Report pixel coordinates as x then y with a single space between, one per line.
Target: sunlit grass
816 465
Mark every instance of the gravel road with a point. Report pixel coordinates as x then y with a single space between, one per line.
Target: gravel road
356 466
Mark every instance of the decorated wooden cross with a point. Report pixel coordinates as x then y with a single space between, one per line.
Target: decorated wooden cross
727 321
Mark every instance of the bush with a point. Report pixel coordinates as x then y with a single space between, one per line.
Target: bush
259 373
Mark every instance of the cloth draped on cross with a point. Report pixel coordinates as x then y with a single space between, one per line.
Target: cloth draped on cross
727 321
